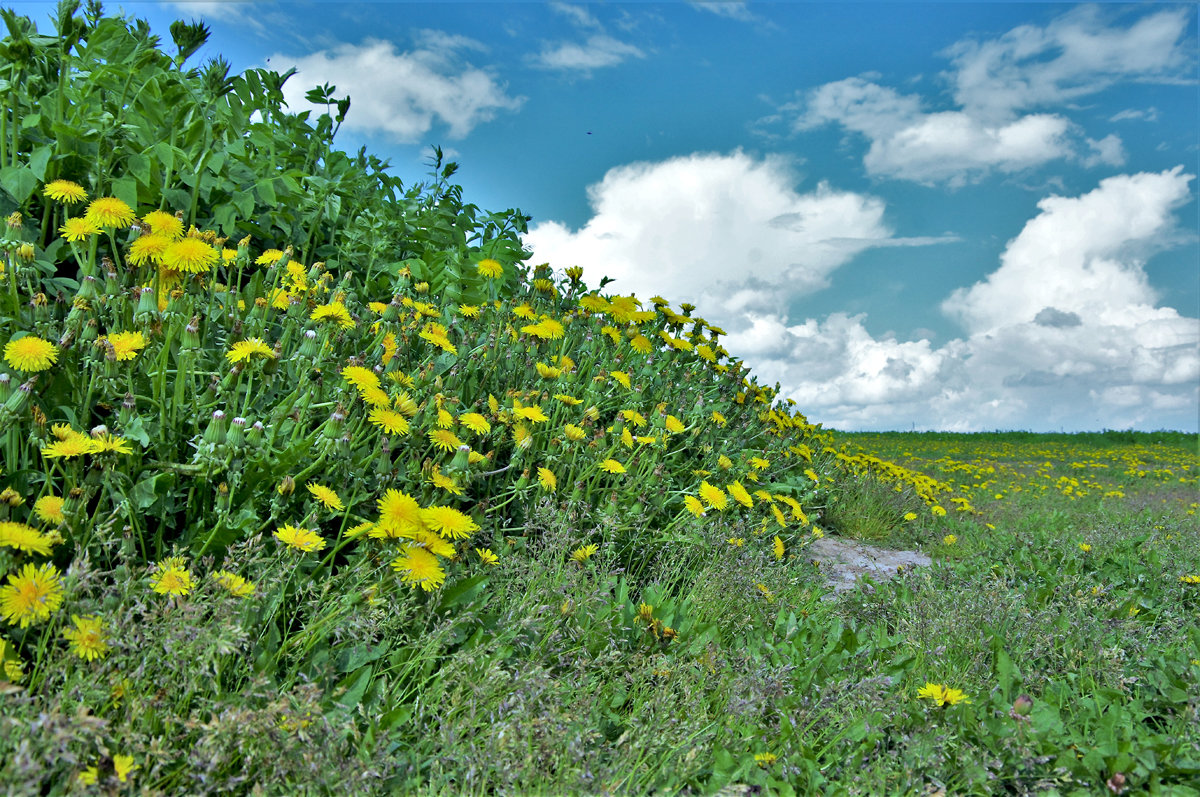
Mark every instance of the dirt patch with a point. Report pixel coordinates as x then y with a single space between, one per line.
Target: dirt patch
845 561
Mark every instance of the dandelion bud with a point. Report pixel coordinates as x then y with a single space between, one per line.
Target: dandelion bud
254 434
18 398
5 386
191 334
461 459
98 431
14 221
237 429
25 252
147 307
215 433
309 347
287 486
1023 705
421 287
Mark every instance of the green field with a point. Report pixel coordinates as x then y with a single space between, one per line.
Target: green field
311 484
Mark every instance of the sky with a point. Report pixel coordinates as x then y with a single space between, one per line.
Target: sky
931 216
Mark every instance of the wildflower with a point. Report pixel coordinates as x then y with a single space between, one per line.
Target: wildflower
548 371
583 553
713 496
87 637
444 439
245 349
88 776
674 425
419 567
439 339
547 479
49 509
942 695
325 496
910 516
107 443
468 311
736 542
360 377
235 584
1190 579
449 522
621 377
31 594
124 765
434 544
570 401
765 760
64 191
724 462
612 466
30 354
268 257
740 495
78 229
172 578
335 312
486 556
444 482
126 345
399 514
389 421
390 347
533 413
777 548
299 538
161 222
693 505
949 539
475 422
109 211
489 269
75 446
23 538
573 432
1083 546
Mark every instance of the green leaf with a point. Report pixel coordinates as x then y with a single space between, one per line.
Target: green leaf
38 161
356 686
463 591
146 492
125 189
139 166
19 181
266 191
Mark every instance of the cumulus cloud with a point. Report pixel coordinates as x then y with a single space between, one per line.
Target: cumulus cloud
727 232
403 94
1010 95
596 51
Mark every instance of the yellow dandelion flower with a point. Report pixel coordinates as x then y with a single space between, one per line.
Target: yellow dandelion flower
641 344
30 354
64 191
674 425
779 518
49 509
360 377
389 421
444 419
439 340
374 396
693 505
777 547
268 257
724 462
335 312
583 553
123 764
87 637
489 269
534 414
31 594
399 515
468 311
942 695
325 496
573 432
444 482
161 222
78 229
621 377
108 211
547 479
487 557
548 371
718 418
190 256
570 401
449 522
237 586
23 538
126 345
88 776
172 577
612 466
713 496
419 567
299 538
107 443
71 447
148 249
475 422
740 494
444 439
251 347
390 347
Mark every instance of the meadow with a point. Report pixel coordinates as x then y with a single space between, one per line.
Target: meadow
312 484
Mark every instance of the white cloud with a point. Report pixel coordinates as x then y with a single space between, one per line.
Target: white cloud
733 10
1135 114
214 9
403 94
1077 54
600 50
997 84
729 233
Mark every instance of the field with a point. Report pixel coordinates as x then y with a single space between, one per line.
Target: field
311 484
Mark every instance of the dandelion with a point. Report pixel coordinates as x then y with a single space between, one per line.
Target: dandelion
487 557
693 505
325 496
570 401
78 229
335 312
399 514
910 516
468 311
88 776
434 544
107 443
475 422
674 425
190 255
108 211
172 578
71 447
1190 579
360 377
444 482
583 553
736 542
489 268
724 462
938 511
124 765
237 586
389 421
64 191
126 345
87 637
548 371
245 349
299 538
547 479
942 695
1083 546
713 496
621 377
949 539
777 547
740 494
49 509
23 538
574 433
444 440
449 522
30 354
419 567
533 413
765 760
612 466
31 594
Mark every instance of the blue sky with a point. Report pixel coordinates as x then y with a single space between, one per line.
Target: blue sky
910 215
